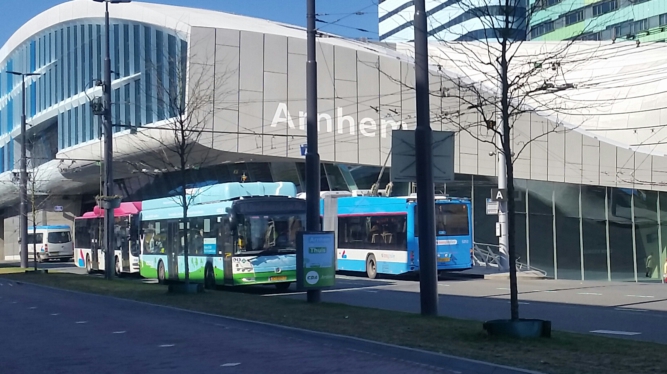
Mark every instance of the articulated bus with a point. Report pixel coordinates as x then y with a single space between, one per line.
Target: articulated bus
89 251
237 234
379 235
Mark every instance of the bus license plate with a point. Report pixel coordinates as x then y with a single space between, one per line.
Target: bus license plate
277 279
443 259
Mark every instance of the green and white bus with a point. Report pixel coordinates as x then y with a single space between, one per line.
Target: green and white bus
237 233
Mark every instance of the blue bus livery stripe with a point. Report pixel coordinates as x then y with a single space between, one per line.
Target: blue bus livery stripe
373 214
50 227
384 267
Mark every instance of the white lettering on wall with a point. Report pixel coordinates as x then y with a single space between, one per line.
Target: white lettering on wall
367 126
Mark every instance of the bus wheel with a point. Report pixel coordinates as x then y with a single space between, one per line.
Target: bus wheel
160 273
89 265
282 287
209 277
371 267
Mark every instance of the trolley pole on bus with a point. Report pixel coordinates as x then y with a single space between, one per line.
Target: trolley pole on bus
428 271
312 157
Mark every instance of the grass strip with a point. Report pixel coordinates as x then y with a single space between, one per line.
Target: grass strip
565 353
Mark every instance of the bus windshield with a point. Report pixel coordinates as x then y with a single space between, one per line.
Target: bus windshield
269 232
450 220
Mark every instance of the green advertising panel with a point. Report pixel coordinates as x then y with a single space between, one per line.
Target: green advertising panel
316 260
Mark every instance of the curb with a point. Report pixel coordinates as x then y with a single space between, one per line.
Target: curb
495 368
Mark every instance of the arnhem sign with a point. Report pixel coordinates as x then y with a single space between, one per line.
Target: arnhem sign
315 260
404 156
367 126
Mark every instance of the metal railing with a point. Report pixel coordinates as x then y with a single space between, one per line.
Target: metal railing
488 255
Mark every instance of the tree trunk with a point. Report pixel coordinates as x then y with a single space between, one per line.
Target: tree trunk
507 150
185 229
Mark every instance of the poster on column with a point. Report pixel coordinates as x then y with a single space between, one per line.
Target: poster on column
316 260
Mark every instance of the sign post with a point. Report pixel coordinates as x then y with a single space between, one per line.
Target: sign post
315 260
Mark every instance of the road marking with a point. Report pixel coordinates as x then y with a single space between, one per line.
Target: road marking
10 284
502 288
644 296
371 291
589 293
55 314
80 322
33 307
611 332
631 310
166 345
230 364
520 302
118 332
13 302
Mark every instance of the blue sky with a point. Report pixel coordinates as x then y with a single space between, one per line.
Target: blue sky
287 11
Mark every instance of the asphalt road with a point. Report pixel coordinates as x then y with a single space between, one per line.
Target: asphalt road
627 310
620 309
56 331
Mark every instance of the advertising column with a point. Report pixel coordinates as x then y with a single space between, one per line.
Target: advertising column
316 256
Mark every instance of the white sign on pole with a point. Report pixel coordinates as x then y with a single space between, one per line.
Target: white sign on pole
491 207
404 156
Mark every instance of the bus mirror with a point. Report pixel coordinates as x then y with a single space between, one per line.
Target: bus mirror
232 218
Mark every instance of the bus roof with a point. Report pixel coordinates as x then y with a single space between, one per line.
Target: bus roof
225 192
193 211
49 227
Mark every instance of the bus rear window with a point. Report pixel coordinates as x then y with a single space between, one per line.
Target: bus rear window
59 237
450 220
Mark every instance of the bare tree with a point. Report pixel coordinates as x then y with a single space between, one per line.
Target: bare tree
490 78
182 142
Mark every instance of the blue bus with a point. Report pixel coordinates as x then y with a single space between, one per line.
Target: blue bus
379 235
237 233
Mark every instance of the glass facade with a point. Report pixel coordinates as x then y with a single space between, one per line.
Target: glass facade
578 232
69 59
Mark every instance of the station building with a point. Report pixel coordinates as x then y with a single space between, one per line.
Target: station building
591 182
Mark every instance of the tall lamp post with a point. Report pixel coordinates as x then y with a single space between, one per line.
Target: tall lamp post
312 155
23 178
108 144
428 283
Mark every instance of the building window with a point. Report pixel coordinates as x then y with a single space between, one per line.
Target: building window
541 29
639 26
574 17
593 36
605 7
663 19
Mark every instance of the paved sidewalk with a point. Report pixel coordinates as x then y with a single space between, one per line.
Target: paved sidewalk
56 331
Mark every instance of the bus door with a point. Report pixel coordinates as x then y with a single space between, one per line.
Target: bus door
96 241
135 241
173 248
412 237
228 239
124 243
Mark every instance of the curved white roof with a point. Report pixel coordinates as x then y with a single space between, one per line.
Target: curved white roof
176 18
619 92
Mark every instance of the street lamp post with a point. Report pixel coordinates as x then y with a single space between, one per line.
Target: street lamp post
312 155
108 145
23 178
